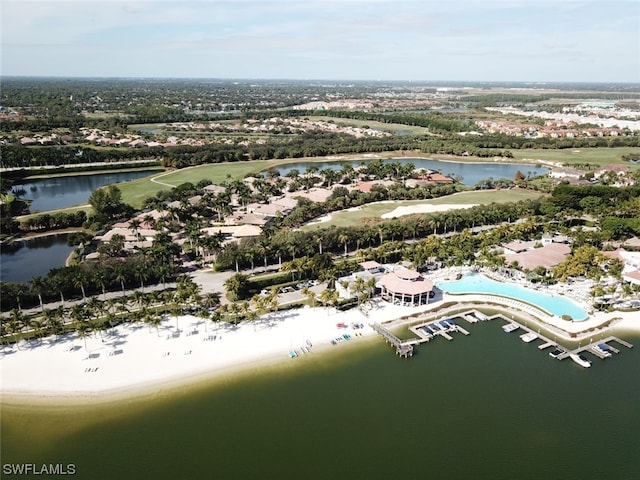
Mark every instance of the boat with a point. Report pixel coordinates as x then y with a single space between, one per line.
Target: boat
601 351
580 360
510 327
557 352
426 331
528 337
603 347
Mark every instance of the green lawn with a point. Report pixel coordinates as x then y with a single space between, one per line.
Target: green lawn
136 191
595 156
376 210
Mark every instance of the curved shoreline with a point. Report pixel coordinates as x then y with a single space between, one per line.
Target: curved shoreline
54 371
154 362
28 236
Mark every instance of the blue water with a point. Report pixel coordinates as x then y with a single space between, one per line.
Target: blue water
60 192
22 260
469 173
475 283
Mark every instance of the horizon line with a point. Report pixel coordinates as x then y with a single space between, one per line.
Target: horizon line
281 79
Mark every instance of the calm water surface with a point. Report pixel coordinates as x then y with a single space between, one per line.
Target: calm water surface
487 406
24 259
471 173
60 192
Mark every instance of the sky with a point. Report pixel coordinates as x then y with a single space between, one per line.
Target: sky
406 40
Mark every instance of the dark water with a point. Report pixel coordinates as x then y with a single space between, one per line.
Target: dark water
60 192
22 260
486 406
471 173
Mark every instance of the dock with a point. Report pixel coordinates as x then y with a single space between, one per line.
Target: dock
547 345
591 347
428 330
444 334
462 330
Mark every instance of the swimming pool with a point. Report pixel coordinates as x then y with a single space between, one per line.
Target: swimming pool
476 283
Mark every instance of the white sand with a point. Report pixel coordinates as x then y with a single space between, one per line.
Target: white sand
424 208
153 359
148 362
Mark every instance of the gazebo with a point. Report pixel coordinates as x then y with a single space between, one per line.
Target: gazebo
406 286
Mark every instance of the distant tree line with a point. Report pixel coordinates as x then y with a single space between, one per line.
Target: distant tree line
12 156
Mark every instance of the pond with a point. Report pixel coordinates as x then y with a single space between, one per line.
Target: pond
470 173
60 192
22 260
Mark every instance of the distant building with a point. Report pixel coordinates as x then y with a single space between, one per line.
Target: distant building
564 173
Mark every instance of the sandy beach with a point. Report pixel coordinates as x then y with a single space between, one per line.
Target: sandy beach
133 359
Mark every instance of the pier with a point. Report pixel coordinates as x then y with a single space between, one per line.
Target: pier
403 349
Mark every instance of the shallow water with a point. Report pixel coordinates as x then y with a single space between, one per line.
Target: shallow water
483 406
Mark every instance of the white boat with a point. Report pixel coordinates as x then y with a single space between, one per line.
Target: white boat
510 327
528 337
580 360
599 350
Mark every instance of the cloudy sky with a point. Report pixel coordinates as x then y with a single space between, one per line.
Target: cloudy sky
488 40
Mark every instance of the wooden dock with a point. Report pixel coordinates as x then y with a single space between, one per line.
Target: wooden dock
403 349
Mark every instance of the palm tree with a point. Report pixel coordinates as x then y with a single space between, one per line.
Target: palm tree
310 294
138 297
83 331
142 273
236 285
175 310
37 285
79 279
121 276
99 278
211 300
134 225
16 323
235 309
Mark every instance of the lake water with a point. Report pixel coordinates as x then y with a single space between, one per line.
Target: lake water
486 406
24 259
471 173
60 192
